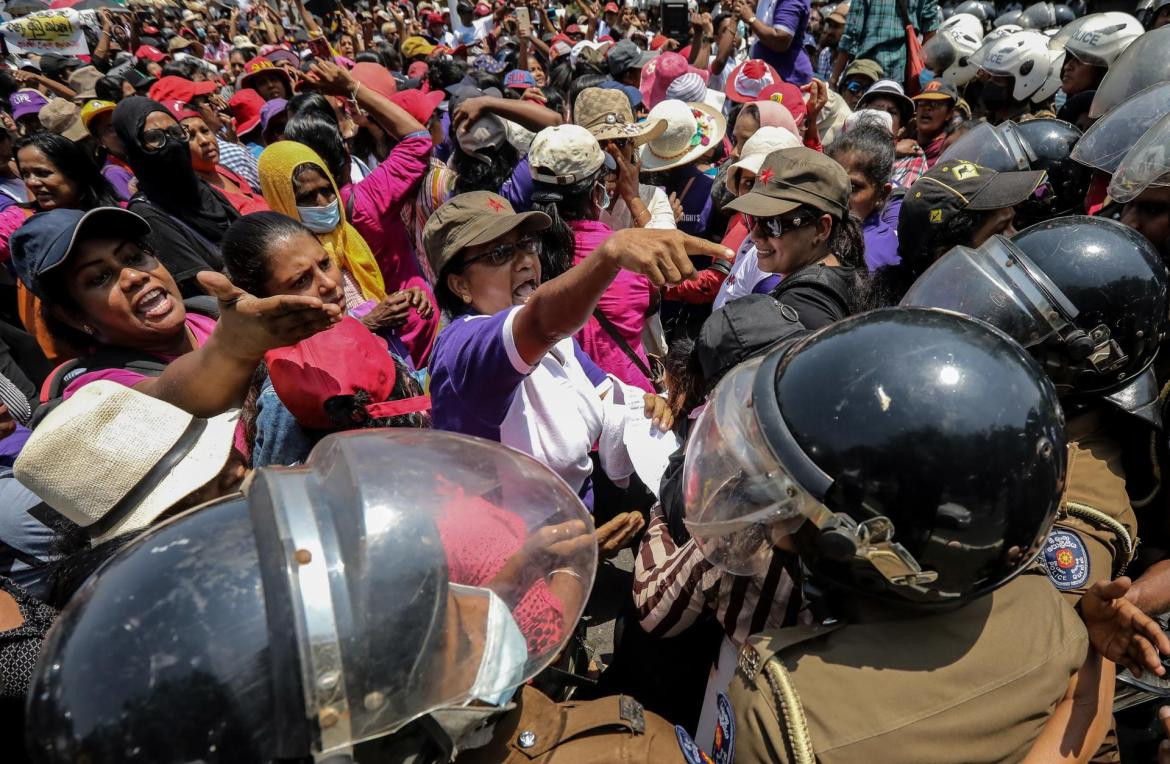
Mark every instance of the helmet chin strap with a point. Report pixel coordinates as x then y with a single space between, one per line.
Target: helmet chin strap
844 539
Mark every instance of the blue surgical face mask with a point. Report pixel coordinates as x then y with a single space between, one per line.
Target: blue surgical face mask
505 653
605 197
320 219
741 29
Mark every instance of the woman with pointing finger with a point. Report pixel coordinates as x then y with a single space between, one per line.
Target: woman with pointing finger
507 368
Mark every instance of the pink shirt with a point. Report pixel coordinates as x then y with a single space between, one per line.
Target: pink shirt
201 328
626 302
377 215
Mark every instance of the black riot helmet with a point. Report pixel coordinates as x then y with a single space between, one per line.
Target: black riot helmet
337 604
1035 144
877 432
1064 14
1086 295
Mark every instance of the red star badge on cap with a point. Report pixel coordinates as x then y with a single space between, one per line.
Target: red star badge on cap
766 176
495 204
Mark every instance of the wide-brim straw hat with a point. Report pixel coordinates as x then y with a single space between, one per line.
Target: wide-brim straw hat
692 129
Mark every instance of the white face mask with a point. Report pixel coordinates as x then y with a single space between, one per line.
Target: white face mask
505 652
320 219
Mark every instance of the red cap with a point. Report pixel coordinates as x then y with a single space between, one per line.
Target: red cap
787 95
343 359
418 104
172 88
749 79
260 65
573 29
150 29
434 18
611 8
374 76
483 9
179 110
658 41
150 53
246 105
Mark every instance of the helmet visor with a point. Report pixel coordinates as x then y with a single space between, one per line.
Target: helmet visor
1144 63
993 147
1107 141
1146 164
426 570
994 283
739 497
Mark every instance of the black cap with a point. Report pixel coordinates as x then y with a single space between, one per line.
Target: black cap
937 90
137 79
626 55
953 186
55 65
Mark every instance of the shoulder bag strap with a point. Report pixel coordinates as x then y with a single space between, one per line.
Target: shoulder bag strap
612 331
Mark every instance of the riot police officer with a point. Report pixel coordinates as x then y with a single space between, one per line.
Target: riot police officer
382 603
1089 298
914 459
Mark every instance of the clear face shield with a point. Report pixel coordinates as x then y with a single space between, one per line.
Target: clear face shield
1110 138
418 570
1146 164
997 147
1145 63
739 497
998 284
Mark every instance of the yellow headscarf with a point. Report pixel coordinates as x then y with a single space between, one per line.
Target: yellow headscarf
344 244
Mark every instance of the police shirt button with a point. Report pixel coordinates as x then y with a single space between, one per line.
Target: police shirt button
527 739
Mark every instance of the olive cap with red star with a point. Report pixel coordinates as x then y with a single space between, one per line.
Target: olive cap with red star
477 217
796 177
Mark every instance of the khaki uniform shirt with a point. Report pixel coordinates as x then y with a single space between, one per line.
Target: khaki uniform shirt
1096 531
966 685
612 730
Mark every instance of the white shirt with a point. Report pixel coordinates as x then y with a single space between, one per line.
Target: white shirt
656 201
744 276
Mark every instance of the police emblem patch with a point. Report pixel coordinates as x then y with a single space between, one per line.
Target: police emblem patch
1066 559
723 750
690 749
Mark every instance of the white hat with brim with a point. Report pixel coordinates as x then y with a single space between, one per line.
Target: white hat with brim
692 129
755 149
111 459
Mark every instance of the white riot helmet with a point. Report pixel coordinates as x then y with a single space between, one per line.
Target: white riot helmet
950 51
1025 57
1099 38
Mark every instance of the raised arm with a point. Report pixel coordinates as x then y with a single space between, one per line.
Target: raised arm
560 307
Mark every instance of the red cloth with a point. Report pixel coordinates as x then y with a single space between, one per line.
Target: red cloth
246 201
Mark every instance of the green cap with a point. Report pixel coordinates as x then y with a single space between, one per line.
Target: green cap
791 178
473 218
866 67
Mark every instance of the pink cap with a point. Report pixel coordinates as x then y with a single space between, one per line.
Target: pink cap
659 73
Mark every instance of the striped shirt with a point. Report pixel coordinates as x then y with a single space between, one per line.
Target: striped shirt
675 585
240 161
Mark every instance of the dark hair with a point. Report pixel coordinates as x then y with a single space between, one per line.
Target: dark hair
304 104
246 243
348 412
561 204
891 282
108 89
75 163
367 57
323 137
580 84
390 57
178 69
445 72
873 146
684 377
476 175
484 80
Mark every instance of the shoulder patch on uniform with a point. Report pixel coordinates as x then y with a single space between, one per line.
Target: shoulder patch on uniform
690 749
1066 559
723 750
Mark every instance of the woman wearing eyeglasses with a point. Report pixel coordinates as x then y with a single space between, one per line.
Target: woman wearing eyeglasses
798 216
506 368
186 215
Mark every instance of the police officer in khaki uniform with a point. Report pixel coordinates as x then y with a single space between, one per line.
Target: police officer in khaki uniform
1088 297
915 459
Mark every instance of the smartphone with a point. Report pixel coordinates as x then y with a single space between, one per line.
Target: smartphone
319 47
676 20
525 23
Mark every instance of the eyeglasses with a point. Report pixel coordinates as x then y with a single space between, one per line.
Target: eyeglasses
153 140
502 254
777 226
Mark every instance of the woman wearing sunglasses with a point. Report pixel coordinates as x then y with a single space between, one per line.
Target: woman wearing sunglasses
506 368
798 216
187 216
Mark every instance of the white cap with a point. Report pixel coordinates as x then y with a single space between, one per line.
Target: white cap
755 149
564 155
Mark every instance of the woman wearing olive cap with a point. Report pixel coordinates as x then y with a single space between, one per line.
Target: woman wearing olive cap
507 368
798 217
